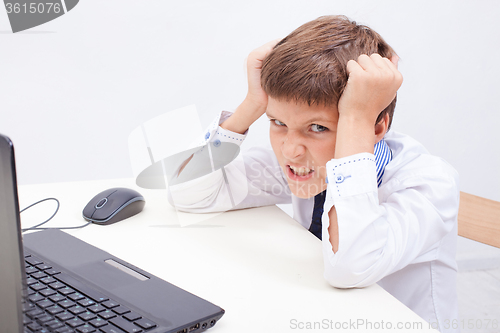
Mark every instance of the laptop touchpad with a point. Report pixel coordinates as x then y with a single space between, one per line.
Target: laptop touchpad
126 269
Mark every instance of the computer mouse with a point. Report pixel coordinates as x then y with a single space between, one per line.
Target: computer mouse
113 205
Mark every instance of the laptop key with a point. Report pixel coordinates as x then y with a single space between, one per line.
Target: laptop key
86 302
44 304
26 320
77 309
47 292
85 329
121 310
31 270
76 296
43 267
75 322
39 275
53 324
53 310
87 316
107 314
110 304
66 291
126 325
66 304
34 313
33 261
64 316
52 272
44 319
132 316
35 298
35 327
98 322
96 308
111 329
145 323
57 298
27 306
30 281
64 330
57 285
48 280
38 286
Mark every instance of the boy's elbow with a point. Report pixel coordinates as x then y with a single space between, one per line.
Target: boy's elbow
346 280
353 273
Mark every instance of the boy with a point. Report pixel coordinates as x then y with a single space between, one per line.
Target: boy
384 208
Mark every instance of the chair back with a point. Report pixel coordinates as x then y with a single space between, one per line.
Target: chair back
479 219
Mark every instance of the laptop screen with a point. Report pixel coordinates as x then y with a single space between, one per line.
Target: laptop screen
11 257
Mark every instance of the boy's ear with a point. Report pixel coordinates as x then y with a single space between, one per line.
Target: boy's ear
381 128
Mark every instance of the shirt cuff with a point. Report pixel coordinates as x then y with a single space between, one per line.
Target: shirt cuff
216 134
346 177
351 175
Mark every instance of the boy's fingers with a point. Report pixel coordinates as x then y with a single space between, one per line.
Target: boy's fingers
395 60
269 46
366 63
353 66
272 44
261 52
394 68
257 56
379 61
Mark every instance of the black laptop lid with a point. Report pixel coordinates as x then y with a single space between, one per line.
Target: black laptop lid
11 251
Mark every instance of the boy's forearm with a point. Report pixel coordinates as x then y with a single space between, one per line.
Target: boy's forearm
354 135
244 116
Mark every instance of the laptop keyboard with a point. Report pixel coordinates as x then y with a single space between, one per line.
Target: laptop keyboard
56 302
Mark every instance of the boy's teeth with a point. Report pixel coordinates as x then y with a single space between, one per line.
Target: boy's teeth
300 171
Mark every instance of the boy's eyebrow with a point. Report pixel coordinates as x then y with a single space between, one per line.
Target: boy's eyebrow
312 120
319 119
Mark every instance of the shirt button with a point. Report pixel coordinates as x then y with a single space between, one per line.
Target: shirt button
207 135
217 143
339 179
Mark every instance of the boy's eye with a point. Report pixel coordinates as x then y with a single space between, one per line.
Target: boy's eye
318 128
279 123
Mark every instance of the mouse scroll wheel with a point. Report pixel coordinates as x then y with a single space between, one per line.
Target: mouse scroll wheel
101 203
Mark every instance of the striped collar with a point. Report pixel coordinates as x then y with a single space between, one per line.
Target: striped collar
383 155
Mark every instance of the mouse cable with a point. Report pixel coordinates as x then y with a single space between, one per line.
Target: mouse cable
36 227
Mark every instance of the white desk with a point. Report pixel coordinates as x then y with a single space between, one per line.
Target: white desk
259 265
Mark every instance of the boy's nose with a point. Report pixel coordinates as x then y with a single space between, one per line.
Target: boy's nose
292 146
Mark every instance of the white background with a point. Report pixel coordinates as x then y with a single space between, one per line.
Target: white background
73 89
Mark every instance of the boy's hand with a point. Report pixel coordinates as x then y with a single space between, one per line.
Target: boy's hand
255 103
255 61
372 85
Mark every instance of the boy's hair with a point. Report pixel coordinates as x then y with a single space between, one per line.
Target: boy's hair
309 65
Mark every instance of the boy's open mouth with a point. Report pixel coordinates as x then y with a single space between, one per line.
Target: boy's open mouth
299 173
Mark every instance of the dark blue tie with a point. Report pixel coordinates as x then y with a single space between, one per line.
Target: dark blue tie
319 201
383 156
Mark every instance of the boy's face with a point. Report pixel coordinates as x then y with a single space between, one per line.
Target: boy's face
303 139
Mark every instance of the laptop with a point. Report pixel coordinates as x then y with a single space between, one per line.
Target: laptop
53 282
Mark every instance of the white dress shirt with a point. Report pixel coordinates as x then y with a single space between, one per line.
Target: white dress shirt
401 235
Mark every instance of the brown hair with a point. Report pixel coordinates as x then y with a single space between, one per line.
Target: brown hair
309 65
